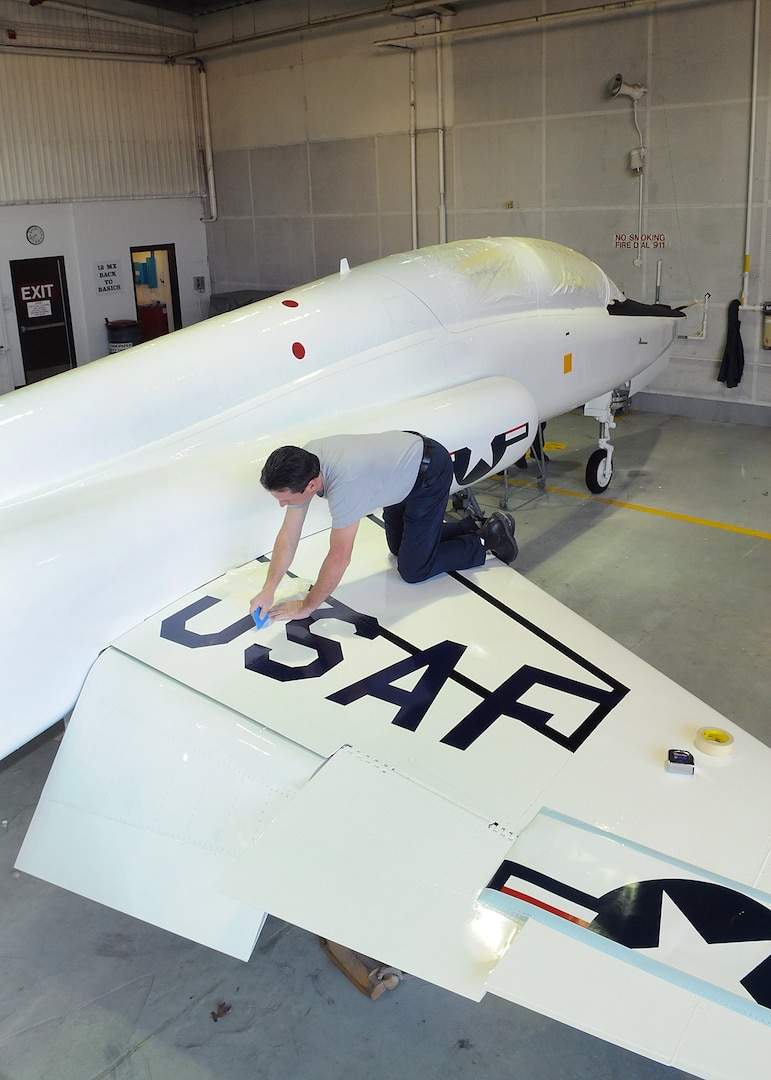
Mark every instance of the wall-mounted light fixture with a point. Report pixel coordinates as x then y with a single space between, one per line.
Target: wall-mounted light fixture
617 87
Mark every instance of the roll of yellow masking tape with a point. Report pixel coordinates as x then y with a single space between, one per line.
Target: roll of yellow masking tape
714 741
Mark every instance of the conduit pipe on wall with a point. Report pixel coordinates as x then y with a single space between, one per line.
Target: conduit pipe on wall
640 170
441 137
207 148
620 7
751 157
89 54
413 153
413 147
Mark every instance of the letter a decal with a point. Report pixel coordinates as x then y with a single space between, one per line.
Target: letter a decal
439 662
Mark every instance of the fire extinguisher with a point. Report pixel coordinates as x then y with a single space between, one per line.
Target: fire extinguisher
767 325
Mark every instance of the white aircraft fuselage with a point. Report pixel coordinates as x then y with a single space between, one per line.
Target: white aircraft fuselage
132 480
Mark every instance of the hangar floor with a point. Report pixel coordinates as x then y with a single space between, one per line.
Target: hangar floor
673 562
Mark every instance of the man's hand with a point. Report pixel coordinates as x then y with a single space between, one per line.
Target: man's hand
290 609
282 612
261 602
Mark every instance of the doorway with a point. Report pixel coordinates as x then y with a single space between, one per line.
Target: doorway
43 314
156 290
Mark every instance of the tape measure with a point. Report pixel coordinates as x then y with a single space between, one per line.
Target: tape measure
714 741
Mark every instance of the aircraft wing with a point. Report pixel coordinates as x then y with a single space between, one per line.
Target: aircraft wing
461 778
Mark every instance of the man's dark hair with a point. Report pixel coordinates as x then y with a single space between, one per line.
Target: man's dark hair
289 468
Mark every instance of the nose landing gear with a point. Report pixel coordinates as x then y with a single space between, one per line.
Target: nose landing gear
599 467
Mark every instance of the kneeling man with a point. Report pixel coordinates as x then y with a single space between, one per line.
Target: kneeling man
407 474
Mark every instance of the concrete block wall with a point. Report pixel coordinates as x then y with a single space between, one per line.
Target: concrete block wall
515 134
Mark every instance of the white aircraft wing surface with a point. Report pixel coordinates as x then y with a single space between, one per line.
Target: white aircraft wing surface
461 778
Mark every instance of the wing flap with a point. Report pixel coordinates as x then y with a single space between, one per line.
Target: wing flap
155 791
366 857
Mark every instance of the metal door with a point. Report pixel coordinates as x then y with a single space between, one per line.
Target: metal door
43 314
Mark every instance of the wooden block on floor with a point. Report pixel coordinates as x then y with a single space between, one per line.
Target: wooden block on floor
369 977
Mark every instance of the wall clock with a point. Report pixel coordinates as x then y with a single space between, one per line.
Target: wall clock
35 234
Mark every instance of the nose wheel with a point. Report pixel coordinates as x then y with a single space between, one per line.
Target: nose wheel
599 470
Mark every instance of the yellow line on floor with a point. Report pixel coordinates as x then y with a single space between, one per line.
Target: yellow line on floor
646 510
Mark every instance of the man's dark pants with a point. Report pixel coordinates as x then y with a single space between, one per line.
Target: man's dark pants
416 532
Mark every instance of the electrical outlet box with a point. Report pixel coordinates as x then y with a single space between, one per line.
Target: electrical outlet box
199 284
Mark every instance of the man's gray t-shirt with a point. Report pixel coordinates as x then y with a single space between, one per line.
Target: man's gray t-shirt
362 473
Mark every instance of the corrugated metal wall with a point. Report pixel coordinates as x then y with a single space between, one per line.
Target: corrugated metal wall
73 129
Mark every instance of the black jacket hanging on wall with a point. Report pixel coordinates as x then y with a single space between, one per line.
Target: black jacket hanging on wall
732 364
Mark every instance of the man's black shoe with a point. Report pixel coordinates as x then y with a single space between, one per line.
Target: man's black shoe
498 534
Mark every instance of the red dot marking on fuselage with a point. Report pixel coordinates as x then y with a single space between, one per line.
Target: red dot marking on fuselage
290 303
298 349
